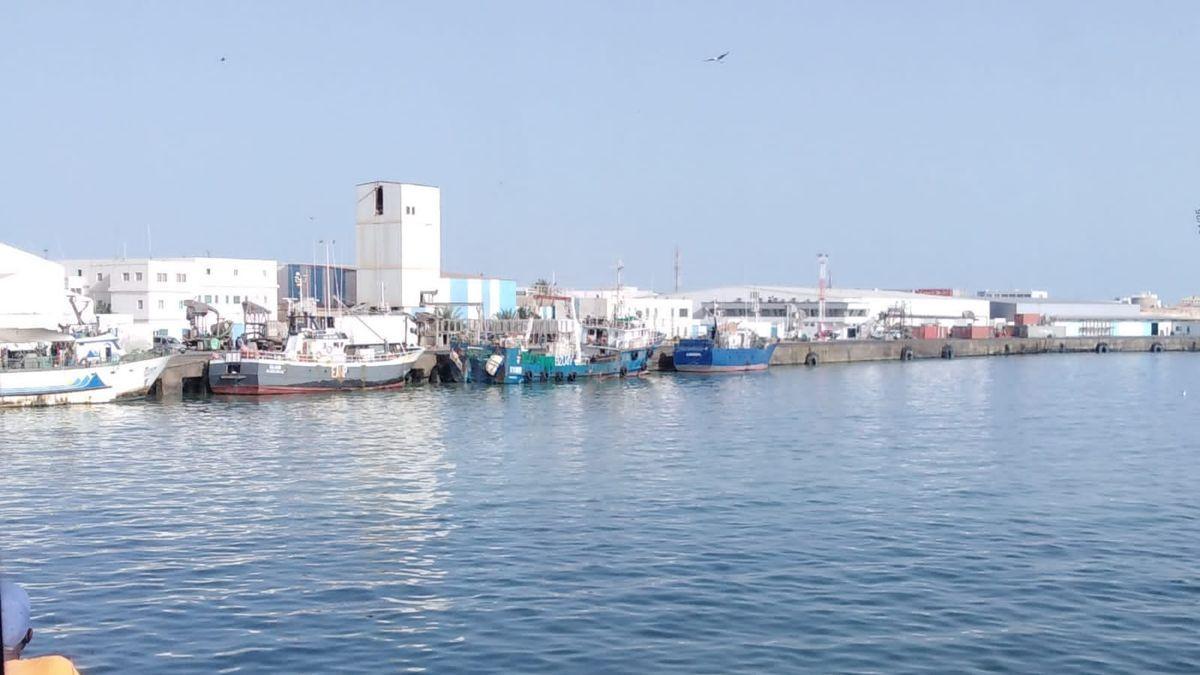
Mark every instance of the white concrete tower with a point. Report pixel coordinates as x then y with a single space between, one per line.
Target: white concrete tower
399 243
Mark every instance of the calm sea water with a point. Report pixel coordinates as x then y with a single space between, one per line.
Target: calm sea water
1033 514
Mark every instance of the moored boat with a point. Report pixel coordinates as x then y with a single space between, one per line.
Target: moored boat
726 349
312 361
557 350
42 368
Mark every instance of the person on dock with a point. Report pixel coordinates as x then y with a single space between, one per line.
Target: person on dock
16 633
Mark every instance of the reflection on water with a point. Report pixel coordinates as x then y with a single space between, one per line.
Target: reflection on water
1025 514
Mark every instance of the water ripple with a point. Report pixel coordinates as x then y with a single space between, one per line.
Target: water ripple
1021 515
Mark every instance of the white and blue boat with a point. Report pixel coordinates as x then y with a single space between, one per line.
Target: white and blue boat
727 348
41 368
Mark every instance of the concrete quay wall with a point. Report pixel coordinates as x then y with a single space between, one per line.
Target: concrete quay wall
850 351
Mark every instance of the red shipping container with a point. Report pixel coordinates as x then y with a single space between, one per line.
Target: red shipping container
971 332
1027 319
930 331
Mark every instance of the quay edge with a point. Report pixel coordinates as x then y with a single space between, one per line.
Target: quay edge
188 372
853 351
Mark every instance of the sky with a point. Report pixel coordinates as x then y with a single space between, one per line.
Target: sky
919 144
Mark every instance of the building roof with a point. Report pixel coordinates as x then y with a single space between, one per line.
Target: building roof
139 261
396 182
805 293
459 275
14 260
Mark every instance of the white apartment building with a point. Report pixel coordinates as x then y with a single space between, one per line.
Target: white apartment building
152 290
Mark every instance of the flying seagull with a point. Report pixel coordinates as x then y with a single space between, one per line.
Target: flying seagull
222 59
716 59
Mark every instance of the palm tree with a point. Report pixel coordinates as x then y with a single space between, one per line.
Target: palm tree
506 314
445 312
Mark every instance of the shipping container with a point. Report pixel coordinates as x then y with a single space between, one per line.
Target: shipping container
1027 319
931 331
971 332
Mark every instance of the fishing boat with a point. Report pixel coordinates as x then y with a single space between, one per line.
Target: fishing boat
312 360
41 368
727 348
561 350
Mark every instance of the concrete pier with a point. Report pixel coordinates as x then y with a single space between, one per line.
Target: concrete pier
189 372
184 372
850 351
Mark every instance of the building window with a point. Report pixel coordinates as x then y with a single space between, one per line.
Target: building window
161 277
683 313
181 278
139 276
125 276
208 271
181 304
208 298
141 305
161 305
78 273
379 200
235 271
227 299
237 299
99 276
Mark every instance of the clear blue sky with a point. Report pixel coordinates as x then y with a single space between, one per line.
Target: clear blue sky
964 144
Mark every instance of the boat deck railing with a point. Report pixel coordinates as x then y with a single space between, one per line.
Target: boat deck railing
52 363
236 357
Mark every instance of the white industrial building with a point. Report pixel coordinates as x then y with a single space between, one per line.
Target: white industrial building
671 316
153 290
399 243
1088 318
398 230
32 291
794 311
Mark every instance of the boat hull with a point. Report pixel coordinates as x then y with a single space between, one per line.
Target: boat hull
79 385
522 367
702 356
259 377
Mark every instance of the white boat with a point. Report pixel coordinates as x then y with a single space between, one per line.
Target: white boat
312 361
41 368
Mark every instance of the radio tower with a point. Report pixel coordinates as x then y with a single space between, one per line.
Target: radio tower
822 283
676 269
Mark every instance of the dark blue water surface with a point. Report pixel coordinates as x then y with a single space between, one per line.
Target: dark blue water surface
1026 514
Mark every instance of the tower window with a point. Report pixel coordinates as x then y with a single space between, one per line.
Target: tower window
379 200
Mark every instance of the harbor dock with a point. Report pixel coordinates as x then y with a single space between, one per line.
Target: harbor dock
188 373
851 351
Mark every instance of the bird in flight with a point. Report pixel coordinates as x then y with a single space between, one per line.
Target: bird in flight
716 59
222 59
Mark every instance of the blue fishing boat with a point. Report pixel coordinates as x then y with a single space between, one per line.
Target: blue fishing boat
726 349
561 350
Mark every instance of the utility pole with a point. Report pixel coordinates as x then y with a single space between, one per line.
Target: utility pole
677 266
822 282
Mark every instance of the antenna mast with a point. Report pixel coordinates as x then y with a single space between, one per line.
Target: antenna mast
677 266
822 283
